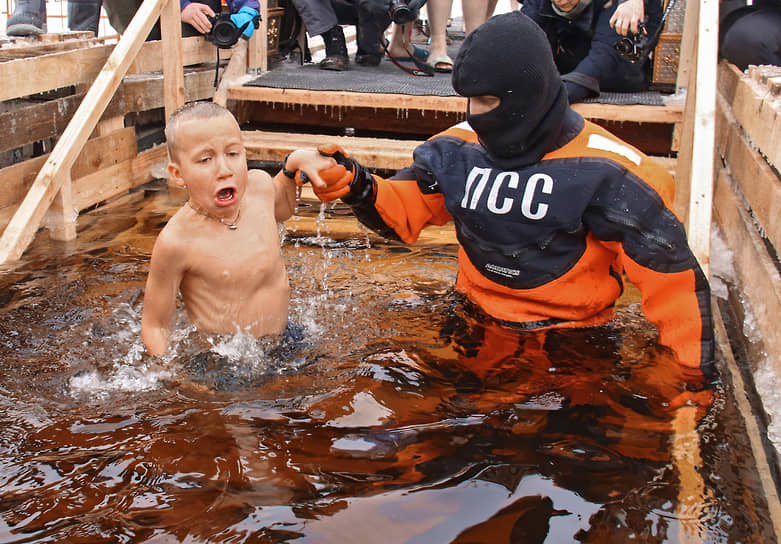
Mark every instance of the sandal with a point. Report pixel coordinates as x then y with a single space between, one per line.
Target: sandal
417 52
442 64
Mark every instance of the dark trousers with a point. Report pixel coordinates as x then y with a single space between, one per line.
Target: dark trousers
753 38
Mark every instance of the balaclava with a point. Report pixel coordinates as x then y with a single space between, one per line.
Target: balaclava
509 57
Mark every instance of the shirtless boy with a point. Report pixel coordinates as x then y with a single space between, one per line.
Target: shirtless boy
221 250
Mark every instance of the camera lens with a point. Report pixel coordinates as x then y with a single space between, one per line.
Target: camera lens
224 33
400 12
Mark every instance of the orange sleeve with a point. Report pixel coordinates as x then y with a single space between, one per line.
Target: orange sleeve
406 210
678 303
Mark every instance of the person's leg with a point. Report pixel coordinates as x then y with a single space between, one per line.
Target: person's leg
121 12
318 16
438 14
754 39
476 12
84 15
373 19
320 19
29 18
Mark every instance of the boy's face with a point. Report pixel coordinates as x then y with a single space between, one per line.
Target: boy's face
211 162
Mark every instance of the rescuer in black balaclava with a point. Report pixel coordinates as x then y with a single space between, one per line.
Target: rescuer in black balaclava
550 210
533 98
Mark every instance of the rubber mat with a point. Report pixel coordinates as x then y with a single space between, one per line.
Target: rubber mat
385 78
389 78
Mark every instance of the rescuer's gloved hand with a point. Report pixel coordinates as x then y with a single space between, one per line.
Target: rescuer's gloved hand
337 177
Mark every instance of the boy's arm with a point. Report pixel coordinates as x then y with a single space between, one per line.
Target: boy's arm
301 164
162 287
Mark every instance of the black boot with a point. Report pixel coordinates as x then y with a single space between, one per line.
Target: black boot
335 50
29 18
84 15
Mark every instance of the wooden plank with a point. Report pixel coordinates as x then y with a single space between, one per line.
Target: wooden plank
758 182
758 277
36 121
98 153
145 93
257 54
195 50
21 229
53 71
149 164
729 76
103 184
348 99
671 113
237 68
37 49
374 153
104 151
115 178
701 185
173 74
759 113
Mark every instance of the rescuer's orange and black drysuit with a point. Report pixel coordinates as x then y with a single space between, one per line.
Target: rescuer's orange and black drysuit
546 245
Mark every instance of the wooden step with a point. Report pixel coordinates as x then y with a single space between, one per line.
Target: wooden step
374 153
668 113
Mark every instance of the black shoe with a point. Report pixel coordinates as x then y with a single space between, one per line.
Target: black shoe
29 19
338 64
368 59
84 15
335 50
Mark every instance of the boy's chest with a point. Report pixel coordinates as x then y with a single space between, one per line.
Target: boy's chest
237 256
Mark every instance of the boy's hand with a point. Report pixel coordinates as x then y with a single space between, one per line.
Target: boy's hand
337 178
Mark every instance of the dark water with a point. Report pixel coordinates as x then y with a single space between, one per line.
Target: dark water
401 417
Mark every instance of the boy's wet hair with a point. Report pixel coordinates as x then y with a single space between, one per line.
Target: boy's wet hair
191 110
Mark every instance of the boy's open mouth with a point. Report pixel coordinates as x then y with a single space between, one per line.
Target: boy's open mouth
226 195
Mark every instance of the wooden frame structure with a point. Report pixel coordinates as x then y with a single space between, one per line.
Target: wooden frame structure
51 194
52 190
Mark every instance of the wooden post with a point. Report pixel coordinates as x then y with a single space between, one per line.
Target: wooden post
61 219
258 44
173 71
704 136
237 67
55 172
694 174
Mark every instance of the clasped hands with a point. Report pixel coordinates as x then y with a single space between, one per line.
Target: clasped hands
329 169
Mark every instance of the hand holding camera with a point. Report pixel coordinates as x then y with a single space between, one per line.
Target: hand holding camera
635 47
227 28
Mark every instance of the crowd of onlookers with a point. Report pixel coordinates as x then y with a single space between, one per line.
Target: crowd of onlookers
597 46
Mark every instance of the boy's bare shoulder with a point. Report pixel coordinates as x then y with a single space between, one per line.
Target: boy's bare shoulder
259 177
174 235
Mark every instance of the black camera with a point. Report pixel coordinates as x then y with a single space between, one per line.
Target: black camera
635 47
402 12
224 33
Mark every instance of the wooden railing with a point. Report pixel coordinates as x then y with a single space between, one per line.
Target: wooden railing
51 192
